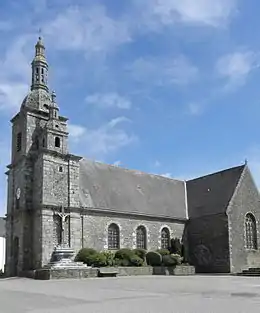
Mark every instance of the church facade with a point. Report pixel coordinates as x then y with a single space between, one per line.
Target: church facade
107 207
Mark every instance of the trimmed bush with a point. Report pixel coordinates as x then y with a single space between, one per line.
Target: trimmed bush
178 258
85 255
172 260
168 260
98 260
136 261
153 258
124 254
122 262
163 252
110 257
141 253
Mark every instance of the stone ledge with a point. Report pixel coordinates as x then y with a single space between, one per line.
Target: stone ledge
180 270
46 274
135 271
81 273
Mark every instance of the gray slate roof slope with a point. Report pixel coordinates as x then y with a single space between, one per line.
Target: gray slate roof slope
211 194
2 227
108 187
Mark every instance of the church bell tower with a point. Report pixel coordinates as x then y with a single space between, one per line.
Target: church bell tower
39 175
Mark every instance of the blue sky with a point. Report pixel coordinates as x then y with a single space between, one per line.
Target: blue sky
165 86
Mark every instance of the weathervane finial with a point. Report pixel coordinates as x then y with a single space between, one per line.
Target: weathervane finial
40 32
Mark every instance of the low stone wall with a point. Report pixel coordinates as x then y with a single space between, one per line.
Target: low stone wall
178 270
135 271
46 274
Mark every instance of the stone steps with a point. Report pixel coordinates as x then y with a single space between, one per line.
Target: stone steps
250 272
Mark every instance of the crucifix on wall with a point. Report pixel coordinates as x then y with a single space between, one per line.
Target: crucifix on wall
62 222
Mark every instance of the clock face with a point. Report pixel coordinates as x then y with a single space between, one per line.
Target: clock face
18 193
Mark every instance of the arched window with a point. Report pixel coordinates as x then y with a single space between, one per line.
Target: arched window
250 232
113 237
141 237
165 238
57 142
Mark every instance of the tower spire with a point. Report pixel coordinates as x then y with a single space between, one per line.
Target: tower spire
39 67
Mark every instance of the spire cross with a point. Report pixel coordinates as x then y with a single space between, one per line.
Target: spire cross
63 217
40 32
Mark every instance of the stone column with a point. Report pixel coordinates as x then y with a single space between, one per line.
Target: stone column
75 231
47 236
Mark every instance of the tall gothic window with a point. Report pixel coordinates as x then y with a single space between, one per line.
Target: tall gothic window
250 232
113 237
165 238
141 237
19 142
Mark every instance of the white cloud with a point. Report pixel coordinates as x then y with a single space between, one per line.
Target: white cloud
14 74
162 71
167 175
89 29
157 163
195 108
117 163
214 13
76 131
11 95
104 140
109 100
237 66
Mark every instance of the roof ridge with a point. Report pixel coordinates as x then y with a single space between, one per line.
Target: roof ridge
134 171
218 172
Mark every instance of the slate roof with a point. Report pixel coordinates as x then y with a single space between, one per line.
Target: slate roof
2 227
211 194
108 187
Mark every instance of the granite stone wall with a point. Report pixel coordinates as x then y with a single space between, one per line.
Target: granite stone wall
95 230
245 200
208 243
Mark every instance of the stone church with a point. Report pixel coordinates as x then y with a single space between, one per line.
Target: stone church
107 207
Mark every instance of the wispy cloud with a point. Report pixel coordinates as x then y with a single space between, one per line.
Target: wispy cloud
11 94
103 140
195 108
89 29
159 13
167 175
117 163
14 74
164 71
236 67
109 100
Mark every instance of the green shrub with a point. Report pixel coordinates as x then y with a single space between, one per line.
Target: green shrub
135 260
172 260
110 257
98 260
141 253
178 258
163 252
122 262
85 255
176 246
124 254
153 258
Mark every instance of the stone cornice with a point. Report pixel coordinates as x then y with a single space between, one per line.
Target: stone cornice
66 156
